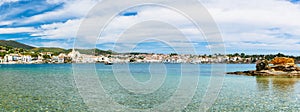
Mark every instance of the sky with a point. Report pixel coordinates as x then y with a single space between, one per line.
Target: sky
252 27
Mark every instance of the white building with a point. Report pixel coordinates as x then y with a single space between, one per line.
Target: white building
26 59
11 57
75 55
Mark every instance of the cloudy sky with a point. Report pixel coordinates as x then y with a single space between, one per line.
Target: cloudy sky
250 26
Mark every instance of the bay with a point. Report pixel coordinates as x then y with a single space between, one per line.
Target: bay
51 87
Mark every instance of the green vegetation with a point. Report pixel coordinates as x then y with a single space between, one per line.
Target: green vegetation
14 44
55 51
2 54
46 57
132 60
173 54
95 52
8 47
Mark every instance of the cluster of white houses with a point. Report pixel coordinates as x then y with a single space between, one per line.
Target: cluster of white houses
76 57
73 56
27 59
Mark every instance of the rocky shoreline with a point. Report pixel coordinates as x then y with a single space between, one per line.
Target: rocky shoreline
280 66
266 73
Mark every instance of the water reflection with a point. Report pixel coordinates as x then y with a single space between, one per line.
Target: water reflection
280 84
263 83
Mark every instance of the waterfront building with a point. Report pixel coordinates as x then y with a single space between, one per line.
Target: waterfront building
26 59
75 56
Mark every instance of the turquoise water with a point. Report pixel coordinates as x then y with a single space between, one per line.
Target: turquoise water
50 87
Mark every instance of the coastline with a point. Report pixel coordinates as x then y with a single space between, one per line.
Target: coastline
126 63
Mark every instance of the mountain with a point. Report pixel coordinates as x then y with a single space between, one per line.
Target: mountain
14 44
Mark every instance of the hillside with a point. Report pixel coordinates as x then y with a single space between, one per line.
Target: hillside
55 50
49 49
94 51
14 44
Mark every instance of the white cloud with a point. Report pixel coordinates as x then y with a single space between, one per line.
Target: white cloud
244 24
166 30
56 1
247 25
15 39
56 44
6 22
7 1
17 30
71 9
58 30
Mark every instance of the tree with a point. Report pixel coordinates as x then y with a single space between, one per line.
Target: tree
236 54
280 55
173 54
11 51
56 53
2 54
230 55
243 55
46 57
34 55
21 50
132 60
141 57
109 52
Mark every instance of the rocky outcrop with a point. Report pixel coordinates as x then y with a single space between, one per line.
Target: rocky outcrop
262 65
280 66
283 61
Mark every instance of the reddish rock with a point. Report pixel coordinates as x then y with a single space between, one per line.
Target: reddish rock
283 61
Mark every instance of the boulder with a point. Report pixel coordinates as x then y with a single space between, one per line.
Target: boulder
262 65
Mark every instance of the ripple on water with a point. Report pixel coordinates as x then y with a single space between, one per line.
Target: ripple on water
51 88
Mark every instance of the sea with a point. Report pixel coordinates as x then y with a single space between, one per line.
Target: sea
143 87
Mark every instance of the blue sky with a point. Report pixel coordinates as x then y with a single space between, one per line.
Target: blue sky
253 27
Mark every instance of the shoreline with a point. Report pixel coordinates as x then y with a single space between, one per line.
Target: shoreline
126 63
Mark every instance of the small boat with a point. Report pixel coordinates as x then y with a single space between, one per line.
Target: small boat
108 63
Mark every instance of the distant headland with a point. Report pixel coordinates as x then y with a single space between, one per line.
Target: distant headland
13 52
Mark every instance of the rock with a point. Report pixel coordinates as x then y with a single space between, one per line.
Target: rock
283 61
262 65
281 67
297 68
286 68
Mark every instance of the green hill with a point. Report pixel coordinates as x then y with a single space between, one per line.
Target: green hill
93 51
56 51
49 49
14 44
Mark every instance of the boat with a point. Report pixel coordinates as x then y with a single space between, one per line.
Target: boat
108 63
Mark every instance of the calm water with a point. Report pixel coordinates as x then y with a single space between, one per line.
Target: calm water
52 88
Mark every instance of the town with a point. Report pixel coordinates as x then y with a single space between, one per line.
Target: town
77 57
24 54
